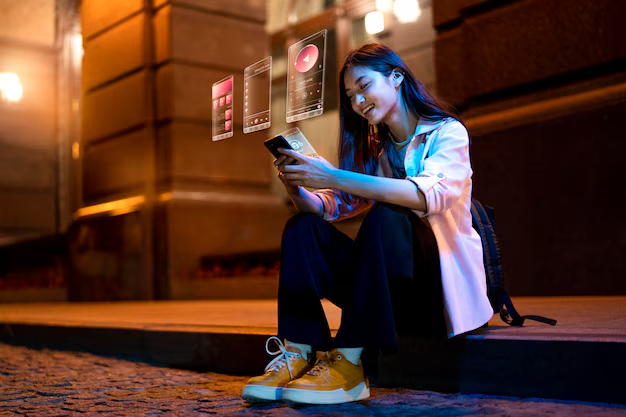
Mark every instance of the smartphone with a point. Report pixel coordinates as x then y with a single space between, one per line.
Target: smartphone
276 142
290 139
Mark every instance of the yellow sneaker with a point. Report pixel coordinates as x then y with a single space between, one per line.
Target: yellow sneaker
287 366
333 380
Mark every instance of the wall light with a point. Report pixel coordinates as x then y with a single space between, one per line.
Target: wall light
75 151
374 22
77 49
406 11
11 89
383 5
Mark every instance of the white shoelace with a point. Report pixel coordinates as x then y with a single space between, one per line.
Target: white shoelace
324 362
284 357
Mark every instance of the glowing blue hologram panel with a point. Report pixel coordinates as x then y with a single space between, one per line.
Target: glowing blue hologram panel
257 93
222 93
306 67
298 142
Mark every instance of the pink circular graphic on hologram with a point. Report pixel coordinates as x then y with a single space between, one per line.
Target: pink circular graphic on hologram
307 57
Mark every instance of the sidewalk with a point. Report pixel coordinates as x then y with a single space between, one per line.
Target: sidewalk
583 357
53 383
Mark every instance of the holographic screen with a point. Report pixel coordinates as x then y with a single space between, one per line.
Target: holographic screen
257 96
305 77
306 62
222 92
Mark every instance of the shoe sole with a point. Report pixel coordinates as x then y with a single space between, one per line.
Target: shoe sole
254 393
338 396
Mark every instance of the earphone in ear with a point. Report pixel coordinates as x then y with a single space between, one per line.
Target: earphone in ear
397 78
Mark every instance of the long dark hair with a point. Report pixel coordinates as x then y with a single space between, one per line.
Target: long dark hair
359 142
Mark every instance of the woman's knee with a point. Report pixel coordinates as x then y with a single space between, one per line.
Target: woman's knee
301 223
387 222
383 213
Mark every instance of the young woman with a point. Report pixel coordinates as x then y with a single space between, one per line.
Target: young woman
416 264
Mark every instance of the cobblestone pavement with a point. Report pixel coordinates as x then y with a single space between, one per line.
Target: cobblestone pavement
53 383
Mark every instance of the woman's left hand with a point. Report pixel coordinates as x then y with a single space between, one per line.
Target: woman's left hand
311 171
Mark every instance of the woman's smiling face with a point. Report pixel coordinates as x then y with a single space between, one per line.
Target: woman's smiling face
372 94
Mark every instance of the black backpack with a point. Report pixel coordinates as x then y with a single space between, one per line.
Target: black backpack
483 221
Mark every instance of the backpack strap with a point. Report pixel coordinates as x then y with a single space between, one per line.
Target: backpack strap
483 218
508 313
491 249
510 316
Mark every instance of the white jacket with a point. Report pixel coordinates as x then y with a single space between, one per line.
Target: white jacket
437 162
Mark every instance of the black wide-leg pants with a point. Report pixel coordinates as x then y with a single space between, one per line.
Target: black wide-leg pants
387 281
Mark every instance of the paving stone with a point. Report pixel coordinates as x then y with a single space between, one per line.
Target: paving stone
53 383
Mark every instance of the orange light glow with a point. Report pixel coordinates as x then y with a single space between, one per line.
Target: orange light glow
11 89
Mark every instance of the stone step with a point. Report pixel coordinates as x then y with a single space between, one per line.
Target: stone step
583 357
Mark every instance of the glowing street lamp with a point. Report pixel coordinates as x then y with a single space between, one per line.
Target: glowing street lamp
383 5
11 89
406 11
374 22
